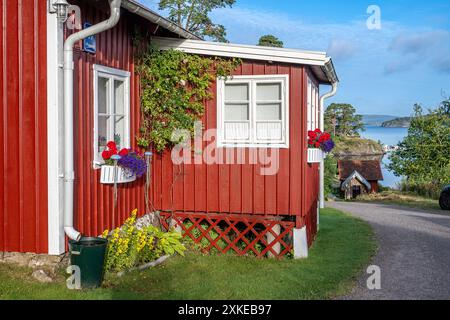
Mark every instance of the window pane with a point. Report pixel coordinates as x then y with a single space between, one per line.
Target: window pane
102 95
119 131
268 111
268 91
102 133
236 112
237 131
269 131
236 92
119 94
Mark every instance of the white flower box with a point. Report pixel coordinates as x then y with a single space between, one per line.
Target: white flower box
107 175
315 155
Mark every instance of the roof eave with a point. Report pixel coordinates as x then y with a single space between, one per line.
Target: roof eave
146 13
322 65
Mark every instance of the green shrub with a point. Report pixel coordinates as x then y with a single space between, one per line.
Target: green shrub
129 246
425 189
423 156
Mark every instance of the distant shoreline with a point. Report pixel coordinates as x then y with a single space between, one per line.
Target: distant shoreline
386 121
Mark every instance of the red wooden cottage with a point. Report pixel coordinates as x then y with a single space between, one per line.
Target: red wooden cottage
359 177
49 189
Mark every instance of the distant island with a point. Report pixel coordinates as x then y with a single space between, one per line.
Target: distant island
385 121
403 122
375 120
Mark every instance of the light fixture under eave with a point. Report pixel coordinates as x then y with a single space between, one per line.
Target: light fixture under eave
61 7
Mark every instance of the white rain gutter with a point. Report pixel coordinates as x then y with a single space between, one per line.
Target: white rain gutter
69 174
322 127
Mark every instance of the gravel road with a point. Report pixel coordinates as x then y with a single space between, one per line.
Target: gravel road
413 254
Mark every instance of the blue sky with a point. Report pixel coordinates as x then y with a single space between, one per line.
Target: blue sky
381 71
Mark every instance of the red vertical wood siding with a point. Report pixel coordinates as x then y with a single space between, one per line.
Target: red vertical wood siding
188 188
23 133
312 198
311 183
374 185
240 188
94 203
224 188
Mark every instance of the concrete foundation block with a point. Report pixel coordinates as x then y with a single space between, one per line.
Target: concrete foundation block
270 238
300 243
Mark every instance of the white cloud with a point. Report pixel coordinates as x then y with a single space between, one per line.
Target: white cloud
341 49
431 48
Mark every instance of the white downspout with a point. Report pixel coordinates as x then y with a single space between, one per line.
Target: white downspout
69 174
322 127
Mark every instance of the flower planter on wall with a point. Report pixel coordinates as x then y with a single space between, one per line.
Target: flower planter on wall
315 155
107 175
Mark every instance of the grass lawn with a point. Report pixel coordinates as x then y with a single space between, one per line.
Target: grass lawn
403 199
344 246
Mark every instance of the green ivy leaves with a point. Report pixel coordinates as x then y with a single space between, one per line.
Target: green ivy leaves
175 86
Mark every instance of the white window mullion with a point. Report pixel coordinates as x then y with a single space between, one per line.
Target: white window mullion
284 112
111 109
127 111
308 106
221 111
253 113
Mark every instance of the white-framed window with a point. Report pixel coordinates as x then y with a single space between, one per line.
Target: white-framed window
111 109
312 106
253 111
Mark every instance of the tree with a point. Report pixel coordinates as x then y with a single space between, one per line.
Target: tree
341 120
270 41
423 156
193 15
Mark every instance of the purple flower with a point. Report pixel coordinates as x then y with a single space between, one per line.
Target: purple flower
133 164
327 146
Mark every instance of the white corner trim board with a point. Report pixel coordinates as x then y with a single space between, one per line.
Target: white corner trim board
54 140
300 243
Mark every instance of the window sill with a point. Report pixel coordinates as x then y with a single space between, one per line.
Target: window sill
252 146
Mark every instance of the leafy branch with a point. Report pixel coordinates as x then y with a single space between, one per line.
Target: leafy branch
175 86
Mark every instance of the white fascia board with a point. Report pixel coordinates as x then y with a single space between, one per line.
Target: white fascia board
243 51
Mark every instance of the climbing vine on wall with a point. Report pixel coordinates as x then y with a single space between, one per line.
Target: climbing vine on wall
175 86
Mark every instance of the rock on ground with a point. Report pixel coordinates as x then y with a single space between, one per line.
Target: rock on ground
41 276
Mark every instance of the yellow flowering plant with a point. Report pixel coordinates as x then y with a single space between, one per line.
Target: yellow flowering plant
130 246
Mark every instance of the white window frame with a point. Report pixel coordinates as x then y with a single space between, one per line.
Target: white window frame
312 106
252 82
111 74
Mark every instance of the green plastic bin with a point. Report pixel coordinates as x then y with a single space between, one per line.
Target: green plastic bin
89 255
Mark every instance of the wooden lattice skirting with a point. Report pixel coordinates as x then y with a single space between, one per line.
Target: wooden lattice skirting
259 236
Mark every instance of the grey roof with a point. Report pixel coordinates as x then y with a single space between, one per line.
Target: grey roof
359 177
141 10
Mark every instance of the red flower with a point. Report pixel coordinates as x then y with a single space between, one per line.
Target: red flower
321 138
106 155
111 145
327 136
317 144
312 135
318 131
124 152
